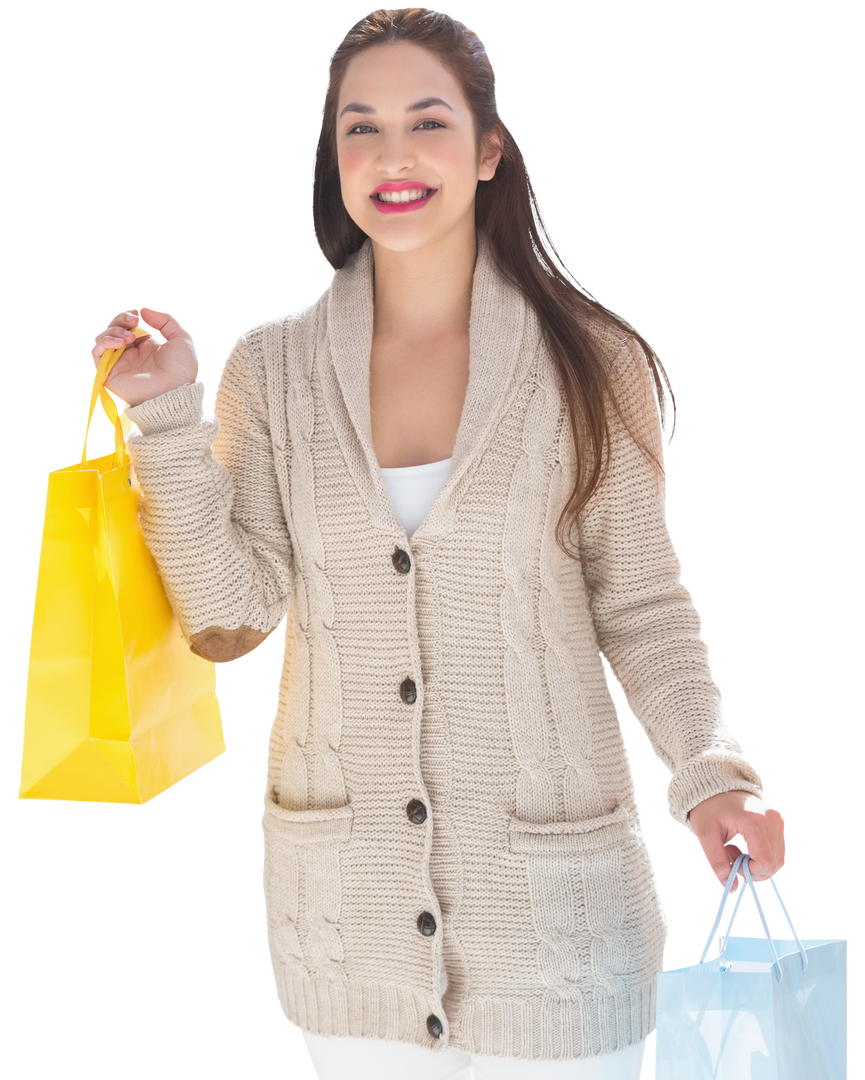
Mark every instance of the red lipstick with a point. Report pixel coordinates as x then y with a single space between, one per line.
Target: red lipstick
401 186
402 207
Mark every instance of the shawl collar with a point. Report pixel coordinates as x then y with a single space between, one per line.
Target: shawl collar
496 348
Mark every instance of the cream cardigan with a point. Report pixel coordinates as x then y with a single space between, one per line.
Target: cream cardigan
447 779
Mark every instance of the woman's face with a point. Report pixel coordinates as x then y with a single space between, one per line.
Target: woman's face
408 160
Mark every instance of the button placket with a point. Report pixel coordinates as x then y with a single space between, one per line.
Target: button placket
416 811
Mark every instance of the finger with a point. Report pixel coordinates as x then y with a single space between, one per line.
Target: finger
767 845
760 864
166 324
761 867
723 864
762 836
778 825
113 338
115 333
733 853
126 318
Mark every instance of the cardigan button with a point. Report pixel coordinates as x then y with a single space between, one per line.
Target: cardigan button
408 691
416 811
401 560
426 924
434 1026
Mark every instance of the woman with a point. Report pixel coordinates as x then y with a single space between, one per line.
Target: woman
447 472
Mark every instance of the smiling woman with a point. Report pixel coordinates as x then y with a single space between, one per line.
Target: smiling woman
448 474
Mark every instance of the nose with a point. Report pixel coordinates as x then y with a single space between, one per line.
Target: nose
395 155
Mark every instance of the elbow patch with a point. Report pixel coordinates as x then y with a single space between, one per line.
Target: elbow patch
218 645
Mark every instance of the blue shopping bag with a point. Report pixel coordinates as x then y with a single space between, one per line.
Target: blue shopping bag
763 1010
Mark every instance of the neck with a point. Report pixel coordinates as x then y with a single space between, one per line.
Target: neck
427 292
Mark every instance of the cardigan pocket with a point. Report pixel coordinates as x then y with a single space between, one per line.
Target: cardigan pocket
308 826
303 891
579 875
568 837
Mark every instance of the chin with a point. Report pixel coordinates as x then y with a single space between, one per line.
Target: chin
392 242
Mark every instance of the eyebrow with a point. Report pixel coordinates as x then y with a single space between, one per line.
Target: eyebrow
419 106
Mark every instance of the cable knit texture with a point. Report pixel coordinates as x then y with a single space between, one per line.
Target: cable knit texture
530 857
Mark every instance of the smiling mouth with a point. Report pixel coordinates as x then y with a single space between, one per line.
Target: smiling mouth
408 195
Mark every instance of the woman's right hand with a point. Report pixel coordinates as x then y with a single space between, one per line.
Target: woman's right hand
146 369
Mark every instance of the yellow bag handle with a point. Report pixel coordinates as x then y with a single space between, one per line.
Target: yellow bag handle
121 425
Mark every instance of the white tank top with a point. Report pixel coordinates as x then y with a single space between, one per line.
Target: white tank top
412 489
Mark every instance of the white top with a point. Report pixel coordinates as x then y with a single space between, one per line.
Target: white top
412 489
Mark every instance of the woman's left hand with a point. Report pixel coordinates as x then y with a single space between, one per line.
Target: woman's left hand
717 820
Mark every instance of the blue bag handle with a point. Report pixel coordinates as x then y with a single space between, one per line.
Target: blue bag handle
743 861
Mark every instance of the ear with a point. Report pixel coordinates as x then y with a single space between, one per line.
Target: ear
491 154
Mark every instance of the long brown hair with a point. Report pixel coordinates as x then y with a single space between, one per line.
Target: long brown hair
506 210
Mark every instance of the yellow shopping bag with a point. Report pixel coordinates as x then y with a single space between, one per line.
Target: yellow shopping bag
118 708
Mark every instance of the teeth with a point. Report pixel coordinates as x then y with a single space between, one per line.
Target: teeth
409 195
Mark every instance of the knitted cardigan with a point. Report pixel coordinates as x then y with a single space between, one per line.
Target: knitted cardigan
453 854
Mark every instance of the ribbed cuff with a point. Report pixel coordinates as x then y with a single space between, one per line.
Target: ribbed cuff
707 777
173 411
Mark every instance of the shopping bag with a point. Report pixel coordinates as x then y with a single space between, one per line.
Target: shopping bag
764 1009
118 707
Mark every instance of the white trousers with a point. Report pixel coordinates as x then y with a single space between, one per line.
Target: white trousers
341 1058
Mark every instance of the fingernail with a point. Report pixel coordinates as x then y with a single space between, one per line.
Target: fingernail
130 316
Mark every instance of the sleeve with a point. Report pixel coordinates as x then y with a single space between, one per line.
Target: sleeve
211 511
646 624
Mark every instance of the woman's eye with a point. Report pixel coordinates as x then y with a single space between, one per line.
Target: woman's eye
422 125
369 127
360 129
